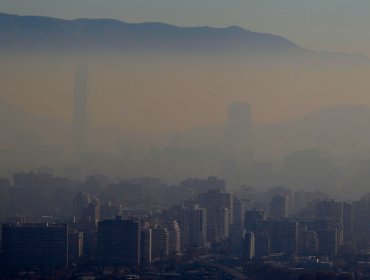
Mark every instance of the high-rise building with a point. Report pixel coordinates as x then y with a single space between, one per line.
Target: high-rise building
219 214
146 246
75 244
120 240
196 186
174 234
340 211
361 217
80 202
248 245
283 234
330 235
286 236
262 245
80 109
28 245
308 243
91 213
160 243
238 130
282 201
279 206
253 218
328 242
239 208
193 226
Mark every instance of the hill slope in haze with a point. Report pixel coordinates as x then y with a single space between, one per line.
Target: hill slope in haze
45 33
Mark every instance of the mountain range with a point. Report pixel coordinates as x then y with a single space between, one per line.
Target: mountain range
46 33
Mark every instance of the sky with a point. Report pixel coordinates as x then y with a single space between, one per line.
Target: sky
321 25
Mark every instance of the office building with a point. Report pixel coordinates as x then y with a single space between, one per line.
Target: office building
248 245
160 243
75 244
80 202
279 206
262 245
41 245
146 246
219 214
253 219
120 240
174 235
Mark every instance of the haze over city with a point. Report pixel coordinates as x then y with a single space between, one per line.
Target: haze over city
235 132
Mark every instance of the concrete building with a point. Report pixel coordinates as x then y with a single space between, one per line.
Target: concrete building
42 245
248 245
146 246
75 244
80 202
174 234
219 214
308 243
328 242
160 243
279 206
193 225
119 240
253 218
262 245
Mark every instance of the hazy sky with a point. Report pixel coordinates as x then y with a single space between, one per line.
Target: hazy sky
333 25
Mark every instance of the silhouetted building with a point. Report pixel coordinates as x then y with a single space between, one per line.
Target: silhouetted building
239 126
91 213
80 110
262 245
219 214
279 206
75 244
308 243
80 202
146 246
253 218
41 245
193 225
361 217
281 201
286 236
328 242
330 209
239 208
174 235
248 245
197 186
160 243
120 240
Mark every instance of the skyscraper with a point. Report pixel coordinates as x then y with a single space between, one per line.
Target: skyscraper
238 131
80 202
248 245
80 109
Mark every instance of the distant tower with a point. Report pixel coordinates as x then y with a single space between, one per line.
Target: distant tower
238 130
80 109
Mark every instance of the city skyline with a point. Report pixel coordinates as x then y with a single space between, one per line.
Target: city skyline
173 140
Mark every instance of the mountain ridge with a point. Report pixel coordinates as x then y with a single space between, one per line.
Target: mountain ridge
38 32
